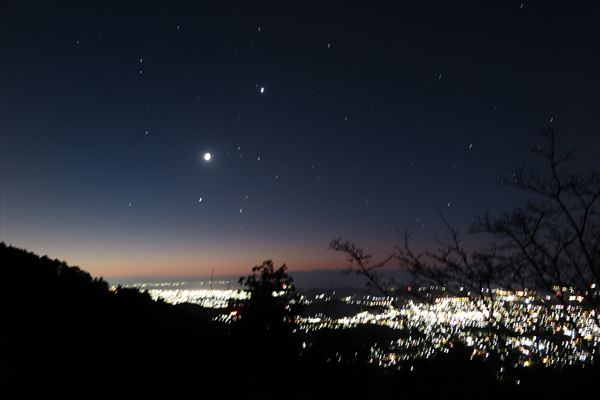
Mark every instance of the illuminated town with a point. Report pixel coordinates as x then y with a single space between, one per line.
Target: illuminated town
535 330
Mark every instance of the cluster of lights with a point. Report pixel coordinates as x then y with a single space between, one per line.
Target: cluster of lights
148 285
535 331
209 298
370 301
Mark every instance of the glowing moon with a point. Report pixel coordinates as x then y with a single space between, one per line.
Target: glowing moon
206 156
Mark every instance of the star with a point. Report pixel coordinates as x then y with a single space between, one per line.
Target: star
207 156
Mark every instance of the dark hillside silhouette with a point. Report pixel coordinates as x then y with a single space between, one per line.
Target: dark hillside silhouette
65 333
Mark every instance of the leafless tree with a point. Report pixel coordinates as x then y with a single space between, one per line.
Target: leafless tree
553 239
449 270
360 263
549 244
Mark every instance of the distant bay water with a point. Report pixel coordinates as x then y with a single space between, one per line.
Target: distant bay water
321 279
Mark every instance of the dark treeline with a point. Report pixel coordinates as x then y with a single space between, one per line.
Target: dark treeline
65 333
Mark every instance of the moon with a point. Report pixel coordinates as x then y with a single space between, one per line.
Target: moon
207 156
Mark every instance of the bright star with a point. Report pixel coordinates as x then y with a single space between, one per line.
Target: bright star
207 156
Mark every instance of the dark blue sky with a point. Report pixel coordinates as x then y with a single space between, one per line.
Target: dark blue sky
373 114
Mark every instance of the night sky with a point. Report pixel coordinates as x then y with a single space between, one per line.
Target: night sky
323 119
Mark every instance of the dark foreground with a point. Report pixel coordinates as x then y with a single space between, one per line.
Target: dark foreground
64 333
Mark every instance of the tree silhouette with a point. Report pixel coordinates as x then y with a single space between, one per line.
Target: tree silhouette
550 245
65 333
552 242
264 332
272 298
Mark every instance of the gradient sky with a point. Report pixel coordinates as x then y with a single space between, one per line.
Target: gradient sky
372 115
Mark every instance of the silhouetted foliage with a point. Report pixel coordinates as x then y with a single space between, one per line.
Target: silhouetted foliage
66 334
552 241
273 298
550 244
360 263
